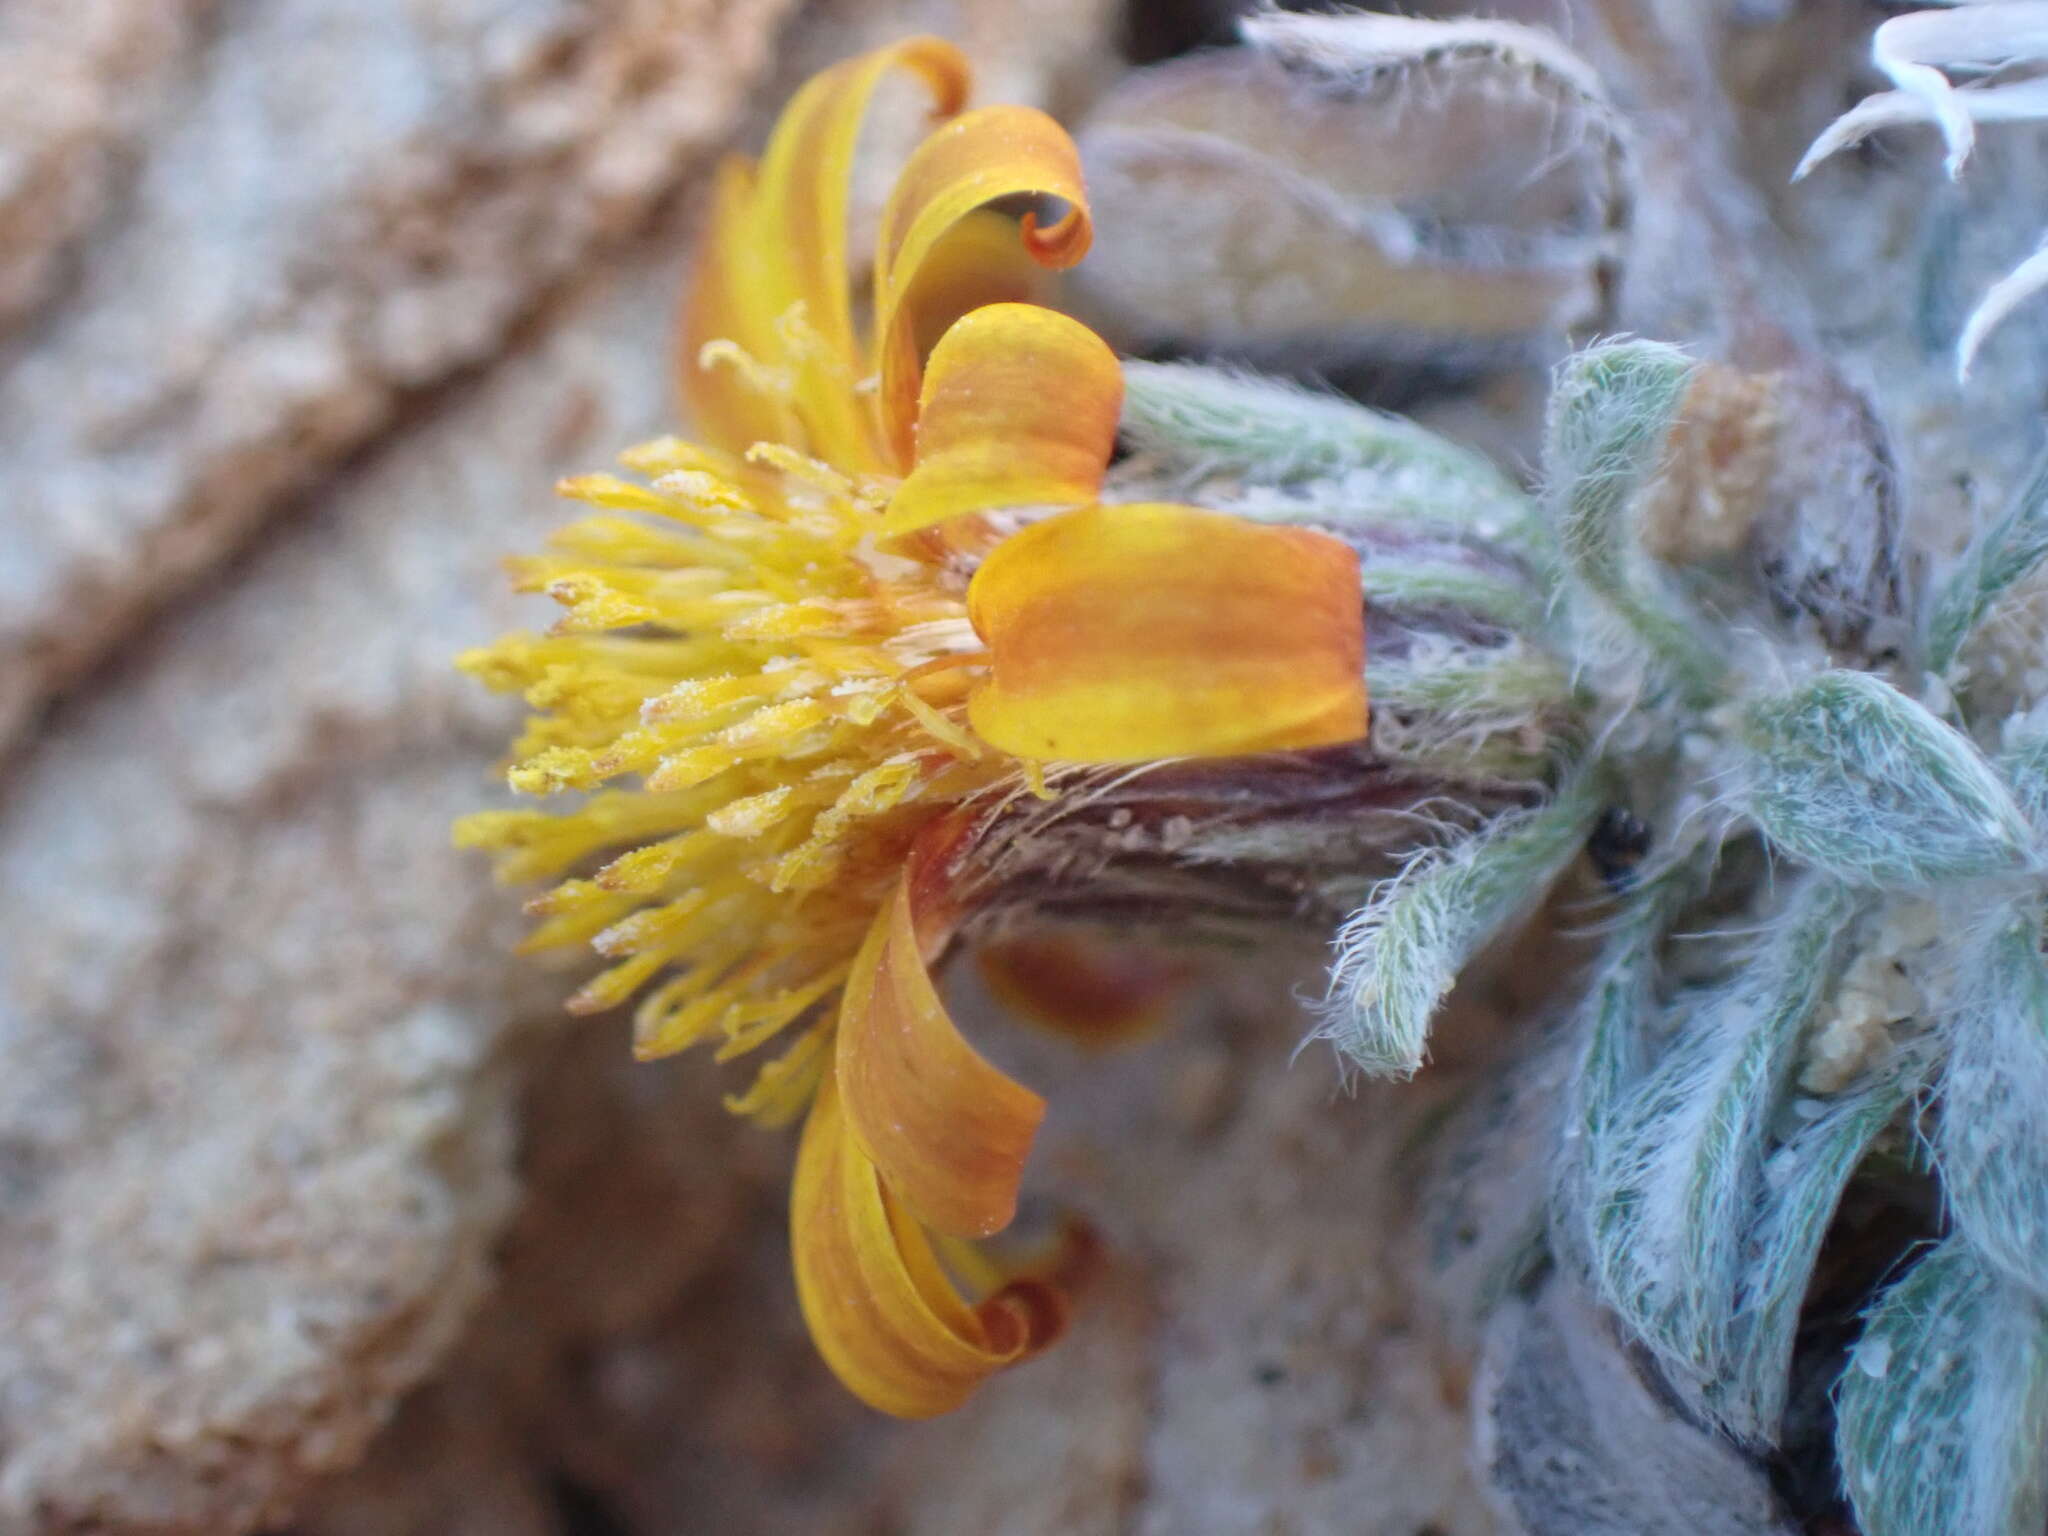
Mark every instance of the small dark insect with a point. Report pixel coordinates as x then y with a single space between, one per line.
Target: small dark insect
1619 841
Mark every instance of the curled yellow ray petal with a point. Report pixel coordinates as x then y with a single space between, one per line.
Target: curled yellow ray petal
1019 408
982 260
879 1305
725 304
1126 633
949 1132
978 158
773 266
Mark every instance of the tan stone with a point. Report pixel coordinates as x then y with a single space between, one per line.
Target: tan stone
257 1015
78 83
339 206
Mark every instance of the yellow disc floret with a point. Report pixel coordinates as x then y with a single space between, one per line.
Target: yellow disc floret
791 699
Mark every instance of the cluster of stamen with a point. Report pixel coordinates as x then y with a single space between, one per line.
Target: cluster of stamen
790 698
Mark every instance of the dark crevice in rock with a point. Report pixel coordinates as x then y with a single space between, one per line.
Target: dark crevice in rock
580 1511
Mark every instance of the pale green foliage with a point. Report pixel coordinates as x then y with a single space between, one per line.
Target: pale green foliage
1803 1179
1993 1142
1399 582
1847 773
1746 1039
1678 1199
1674 1179
1398 956
2024 767
1196 421
1611 412
1997 560
1448 706
1621 1022
1944 1406
1620 1018
1512 680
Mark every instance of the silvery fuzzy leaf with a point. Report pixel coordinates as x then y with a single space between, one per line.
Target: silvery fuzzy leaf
1848 774
2024 767
1189 422
1993 1137
1399 955
1618 1018
1943 1410
1452 709
1998 559
1612 409
1803 1183
1673 1181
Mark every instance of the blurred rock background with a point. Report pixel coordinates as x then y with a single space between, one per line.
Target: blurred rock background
316 1214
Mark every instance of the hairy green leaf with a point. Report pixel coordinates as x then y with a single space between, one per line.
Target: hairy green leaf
1943 1410
1847 773
1400 954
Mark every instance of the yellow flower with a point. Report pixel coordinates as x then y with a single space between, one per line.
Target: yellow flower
830 641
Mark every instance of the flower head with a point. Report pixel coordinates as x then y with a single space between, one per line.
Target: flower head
829 642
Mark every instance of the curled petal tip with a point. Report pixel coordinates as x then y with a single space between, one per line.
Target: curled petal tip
948 1131
1019 409
885 1314
1061 243
980 158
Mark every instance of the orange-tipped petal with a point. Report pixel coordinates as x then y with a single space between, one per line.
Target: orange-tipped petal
949 1132
879 1305
981 261
1087 988
977 159
780 242
1019 408
1119 634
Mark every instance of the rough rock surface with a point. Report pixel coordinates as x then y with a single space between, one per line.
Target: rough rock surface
76 85
338 205
257 1127
258 1120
